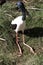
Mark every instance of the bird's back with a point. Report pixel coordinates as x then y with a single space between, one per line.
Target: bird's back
17 20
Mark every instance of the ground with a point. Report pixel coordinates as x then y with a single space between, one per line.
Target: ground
33 36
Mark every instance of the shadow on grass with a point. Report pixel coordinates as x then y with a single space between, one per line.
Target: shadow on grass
34 32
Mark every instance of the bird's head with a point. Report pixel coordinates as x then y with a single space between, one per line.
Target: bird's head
20 6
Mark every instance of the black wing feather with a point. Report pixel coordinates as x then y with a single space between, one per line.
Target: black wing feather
14 26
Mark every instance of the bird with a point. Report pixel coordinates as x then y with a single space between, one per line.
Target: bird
18 24
2 2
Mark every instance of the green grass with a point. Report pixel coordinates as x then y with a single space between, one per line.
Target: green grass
33 37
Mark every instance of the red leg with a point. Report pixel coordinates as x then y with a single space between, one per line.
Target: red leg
18 45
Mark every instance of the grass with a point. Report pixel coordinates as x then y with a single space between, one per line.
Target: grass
33 37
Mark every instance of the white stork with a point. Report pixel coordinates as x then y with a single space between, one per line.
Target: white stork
18 24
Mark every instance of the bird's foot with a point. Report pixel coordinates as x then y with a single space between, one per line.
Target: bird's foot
32 51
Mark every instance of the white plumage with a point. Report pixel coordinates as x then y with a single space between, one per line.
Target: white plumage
20 24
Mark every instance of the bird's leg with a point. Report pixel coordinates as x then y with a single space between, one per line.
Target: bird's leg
27 45
18 45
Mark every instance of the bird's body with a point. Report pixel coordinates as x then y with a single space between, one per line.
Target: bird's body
20 24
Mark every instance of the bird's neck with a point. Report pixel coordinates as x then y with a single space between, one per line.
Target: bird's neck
23 16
